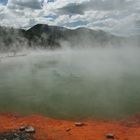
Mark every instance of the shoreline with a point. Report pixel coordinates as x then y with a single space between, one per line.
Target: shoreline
54 129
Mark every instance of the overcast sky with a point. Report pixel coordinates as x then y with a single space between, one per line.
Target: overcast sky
116 16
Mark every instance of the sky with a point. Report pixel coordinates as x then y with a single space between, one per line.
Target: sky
116 16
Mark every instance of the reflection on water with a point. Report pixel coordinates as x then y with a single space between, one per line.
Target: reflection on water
72 84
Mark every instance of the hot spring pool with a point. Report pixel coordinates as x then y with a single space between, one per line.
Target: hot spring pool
72 84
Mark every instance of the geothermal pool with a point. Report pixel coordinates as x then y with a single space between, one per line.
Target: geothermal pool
72 84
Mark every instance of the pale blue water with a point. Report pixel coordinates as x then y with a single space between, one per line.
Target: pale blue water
102 83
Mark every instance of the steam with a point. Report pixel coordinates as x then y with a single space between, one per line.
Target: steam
72 83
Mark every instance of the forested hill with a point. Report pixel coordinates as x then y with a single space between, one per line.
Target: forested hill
45 36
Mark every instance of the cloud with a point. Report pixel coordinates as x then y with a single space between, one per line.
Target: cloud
3 2
106 5
34 4
111 15
116 16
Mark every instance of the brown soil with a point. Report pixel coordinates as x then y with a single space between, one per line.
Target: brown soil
52 129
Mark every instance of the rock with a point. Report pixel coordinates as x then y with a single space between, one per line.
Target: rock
79 124
29 129
18 135
22 128
68 129
110 136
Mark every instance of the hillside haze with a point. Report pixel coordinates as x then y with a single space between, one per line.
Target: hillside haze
45 36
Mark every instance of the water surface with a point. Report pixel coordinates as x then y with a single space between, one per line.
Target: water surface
103 83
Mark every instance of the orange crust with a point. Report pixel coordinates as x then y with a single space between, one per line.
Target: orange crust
52 129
